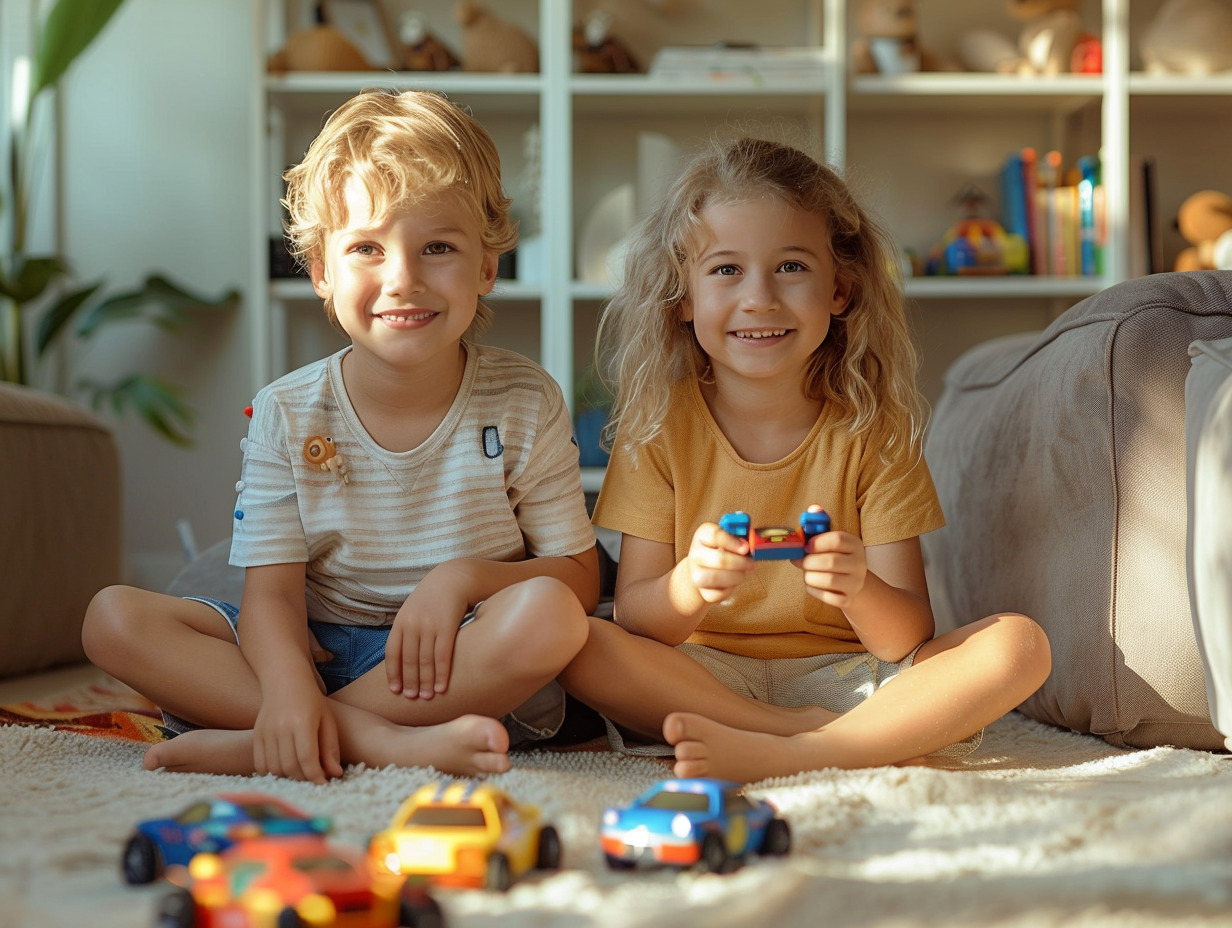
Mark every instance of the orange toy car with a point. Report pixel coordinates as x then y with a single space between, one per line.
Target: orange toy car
294 882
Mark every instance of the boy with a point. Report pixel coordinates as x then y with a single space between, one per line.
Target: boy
410 512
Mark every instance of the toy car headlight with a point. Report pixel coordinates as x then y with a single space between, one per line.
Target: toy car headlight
204 866
611 817
681 826
316 909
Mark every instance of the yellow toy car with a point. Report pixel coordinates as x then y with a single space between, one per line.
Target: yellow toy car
465 834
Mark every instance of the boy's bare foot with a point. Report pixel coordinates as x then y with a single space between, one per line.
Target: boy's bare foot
204 750
466 746
705 748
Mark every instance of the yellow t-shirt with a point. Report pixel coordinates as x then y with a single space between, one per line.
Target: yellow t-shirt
690 474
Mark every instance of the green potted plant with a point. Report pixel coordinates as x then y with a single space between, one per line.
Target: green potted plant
39 289
591 403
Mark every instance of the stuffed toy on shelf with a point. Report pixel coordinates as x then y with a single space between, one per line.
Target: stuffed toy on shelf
319 48
1188 37
492 44
597 51
1050 41
421 50
889 40
1205 222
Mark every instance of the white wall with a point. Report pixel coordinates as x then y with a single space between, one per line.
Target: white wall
156 148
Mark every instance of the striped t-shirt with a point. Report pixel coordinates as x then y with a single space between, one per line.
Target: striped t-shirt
497 479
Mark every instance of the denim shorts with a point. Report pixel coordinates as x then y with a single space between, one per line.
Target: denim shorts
356 649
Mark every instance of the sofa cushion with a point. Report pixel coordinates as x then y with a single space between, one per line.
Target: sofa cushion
60 496
1060 462
1208 434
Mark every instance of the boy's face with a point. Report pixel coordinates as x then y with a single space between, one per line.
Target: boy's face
405 286
762 289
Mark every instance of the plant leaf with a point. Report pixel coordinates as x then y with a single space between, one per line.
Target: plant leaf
34 276
158 300
70 27
159 404
59 315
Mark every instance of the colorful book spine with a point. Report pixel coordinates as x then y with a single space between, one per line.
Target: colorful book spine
1036 229
1014 197
1092 252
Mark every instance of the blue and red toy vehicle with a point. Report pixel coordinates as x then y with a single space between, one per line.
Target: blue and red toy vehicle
211 825
775 542
705 823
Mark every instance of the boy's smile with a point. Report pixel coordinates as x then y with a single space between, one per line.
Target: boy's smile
418 271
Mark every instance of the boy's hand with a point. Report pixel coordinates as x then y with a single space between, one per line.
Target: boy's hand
419 652
296 736
717 563
835 568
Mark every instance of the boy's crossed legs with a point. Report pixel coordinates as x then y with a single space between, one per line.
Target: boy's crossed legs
181 654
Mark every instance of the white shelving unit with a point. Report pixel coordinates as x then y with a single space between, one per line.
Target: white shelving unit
907 142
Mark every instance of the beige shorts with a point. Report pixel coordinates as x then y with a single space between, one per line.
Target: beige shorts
837 682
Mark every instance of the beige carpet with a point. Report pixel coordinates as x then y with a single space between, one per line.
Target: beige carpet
1040 827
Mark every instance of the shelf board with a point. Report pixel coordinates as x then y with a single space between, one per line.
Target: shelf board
969 92
592 478
1144 84
299 289
645 93
313 91
1006 287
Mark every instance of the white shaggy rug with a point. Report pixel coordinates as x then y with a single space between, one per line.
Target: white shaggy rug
1039 828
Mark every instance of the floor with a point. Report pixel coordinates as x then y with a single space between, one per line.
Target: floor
40 685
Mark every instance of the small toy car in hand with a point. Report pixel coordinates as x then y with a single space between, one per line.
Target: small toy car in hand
775 542
294 881
465 834
705 823
210 825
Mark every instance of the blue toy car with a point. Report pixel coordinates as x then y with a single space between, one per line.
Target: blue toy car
210 825
704 823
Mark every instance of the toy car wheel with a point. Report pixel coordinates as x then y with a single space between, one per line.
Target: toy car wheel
423 912
549 849
713 858
141 861
176 910
498 876
289 918
777 840
619 863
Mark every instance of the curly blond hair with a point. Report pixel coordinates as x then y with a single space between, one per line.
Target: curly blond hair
867 365
402 147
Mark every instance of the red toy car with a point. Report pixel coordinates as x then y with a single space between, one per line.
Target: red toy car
294 882
775 542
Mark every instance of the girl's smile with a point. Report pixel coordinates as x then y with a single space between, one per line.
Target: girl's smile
762 289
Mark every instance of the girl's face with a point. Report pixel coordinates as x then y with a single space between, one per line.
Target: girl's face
405 286
762 289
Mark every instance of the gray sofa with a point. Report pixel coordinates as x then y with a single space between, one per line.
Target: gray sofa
1061 461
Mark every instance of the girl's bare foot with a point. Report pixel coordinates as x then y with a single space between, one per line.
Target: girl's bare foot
466 746
705 748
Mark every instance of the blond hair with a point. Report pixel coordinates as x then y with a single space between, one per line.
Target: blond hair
402 147
866 366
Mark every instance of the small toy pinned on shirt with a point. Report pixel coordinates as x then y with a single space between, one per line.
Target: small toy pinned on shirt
322 452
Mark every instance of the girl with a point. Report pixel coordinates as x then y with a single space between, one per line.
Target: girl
762 362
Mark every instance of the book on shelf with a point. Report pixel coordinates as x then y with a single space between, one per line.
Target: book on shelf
1058 212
